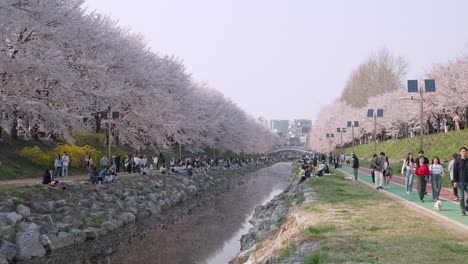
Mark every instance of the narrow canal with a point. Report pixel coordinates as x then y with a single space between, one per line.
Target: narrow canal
211 234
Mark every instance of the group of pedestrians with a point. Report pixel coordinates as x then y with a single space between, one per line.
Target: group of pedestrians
423 171
61 164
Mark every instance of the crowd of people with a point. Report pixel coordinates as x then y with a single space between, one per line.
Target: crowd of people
142 165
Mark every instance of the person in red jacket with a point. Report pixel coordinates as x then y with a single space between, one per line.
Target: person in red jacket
422 170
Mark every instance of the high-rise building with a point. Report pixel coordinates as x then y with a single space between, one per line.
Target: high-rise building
279 126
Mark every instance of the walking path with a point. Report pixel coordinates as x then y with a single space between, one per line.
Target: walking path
450 208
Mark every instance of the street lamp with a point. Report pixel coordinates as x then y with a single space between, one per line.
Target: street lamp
329 136
352 125
370 113
341 131
112 116
429 85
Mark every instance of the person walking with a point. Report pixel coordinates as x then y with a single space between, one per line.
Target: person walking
437 171
450 169
421 170
407 170
387 171
117 161
421 155
460 176
57 166
379 163
355 166
373 166
65 163
105 163
89 163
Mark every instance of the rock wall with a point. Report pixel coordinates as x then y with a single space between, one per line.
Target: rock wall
56 225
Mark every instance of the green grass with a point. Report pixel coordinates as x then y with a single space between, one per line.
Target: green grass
377 229
442 145
287 251
316 258
320 230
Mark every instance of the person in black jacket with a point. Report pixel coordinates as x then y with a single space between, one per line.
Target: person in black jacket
460 178
421 154
47 176
355 166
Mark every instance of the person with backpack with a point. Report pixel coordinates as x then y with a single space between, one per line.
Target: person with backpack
379 167
387 171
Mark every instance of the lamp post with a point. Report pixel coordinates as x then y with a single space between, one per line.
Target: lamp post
329 136
112 116
352 125
429 85
341 131
370 113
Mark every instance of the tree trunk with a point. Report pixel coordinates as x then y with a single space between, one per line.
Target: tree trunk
14 130
97 120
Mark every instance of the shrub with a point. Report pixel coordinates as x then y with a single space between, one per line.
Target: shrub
78 154
36 155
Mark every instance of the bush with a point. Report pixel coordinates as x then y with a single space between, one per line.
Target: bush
46 158
37 155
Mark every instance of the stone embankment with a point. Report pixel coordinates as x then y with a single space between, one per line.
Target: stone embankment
276 224
44 223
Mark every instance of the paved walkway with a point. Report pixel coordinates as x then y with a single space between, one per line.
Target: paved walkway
450 208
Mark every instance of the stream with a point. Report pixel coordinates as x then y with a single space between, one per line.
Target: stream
210 234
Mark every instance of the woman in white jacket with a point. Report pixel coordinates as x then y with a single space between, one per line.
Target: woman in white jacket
437 171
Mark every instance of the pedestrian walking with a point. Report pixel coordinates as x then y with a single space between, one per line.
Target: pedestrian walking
407 170
373 166
387 171
89 163
105 163
379 163
65 163
355 166
117 161
57 166
423 173
437 171
460 176
450 169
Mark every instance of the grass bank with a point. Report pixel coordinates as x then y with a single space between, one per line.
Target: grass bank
356 223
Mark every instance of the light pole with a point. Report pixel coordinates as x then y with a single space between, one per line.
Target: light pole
114 116
429 85
341 131
352 125
370 113
329 136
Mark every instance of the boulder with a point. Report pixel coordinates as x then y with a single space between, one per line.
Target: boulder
80 235
109 226
7 231
7 206
8 250
9 218
86 203
91 232
3 259
192 189
127 217
28 243
54 242
23 210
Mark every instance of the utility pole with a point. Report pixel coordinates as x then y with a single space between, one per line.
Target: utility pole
429 85
352 125
371 113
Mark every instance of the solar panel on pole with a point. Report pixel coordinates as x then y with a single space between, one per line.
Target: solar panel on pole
370 112
338 130
430 85
349 124
412 86
356 123
379 112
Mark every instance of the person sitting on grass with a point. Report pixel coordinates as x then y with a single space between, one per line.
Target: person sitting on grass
94 176
102 175
323 168
111 175
163 169
47 176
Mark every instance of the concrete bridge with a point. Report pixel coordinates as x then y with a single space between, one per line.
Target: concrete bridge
302 149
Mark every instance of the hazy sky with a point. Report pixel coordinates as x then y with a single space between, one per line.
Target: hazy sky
286 59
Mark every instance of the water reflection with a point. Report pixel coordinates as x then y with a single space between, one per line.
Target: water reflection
211 234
